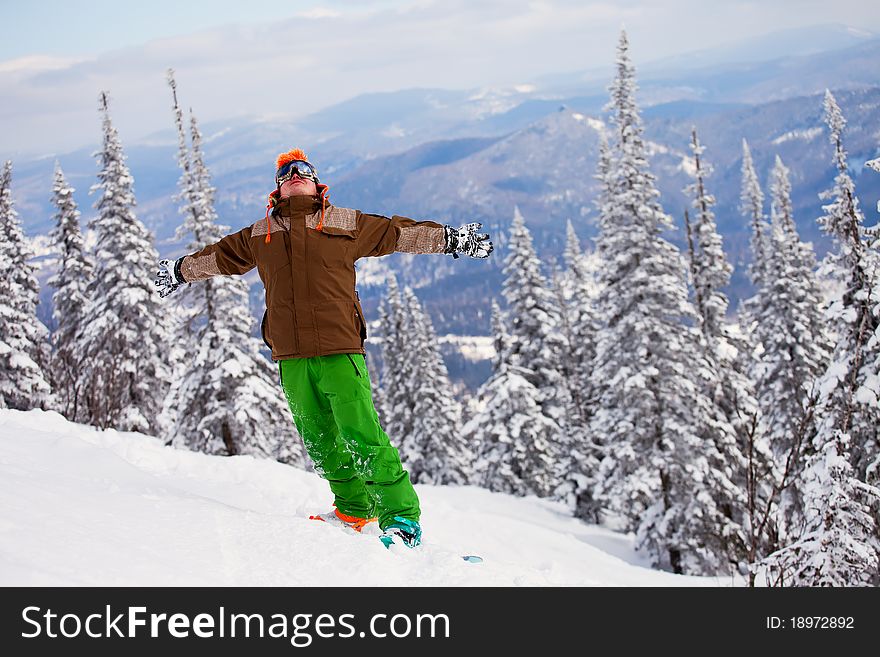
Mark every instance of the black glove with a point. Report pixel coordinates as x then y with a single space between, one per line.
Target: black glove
169 278
466 240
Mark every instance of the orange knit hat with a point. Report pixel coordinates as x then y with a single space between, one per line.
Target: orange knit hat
290 156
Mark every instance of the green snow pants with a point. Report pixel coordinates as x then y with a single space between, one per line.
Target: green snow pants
331 401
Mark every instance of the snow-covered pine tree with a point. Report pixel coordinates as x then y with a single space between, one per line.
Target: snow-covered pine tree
69 301
23 337
228 398
578 289
657 471
735 427
585 270
838 545
561 476
591 293
796 348
575 289
124 375
573 253
794 353
435 452
510 431
398 363
537 346
564 476
873 470
709 266
752 208
184 316
848 389
536 341
839 542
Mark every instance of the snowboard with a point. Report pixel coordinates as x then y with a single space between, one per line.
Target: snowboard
436 551
373 531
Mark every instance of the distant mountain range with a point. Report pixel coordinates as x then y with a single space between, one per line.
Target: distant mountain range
458 156
796 42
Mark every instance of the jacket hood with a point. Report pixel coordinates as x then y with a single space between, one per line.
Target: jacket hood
275 200
296 205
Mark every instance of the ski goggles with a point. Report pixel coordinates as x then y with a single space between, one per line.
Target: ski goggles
299 167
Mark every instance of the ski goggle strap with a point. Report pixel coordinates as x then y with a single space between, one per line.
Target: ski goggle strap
300 167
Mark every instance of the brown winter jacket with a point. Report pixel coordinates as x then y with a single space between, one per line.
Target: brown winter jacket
312 308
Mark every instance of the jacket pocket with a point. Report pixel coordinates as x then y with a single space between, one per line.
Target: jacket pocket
263 328
357 372
272 257
281 331
360 322
334 253
334 326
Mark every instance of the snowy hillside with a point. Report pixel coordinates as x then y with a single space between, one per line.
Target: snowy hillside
80 506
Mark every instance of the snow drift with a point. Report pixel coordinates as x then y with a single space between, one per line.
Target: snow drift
79 506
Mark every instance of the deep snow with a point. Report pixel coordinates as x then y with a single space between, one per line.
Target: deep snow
79 506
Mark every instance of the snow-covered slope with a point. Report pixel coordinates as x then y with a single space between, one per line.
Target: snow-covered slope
80 506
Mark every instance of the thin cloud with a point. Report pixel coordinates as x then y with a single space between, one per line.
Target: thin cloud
334 50
31 65
318 13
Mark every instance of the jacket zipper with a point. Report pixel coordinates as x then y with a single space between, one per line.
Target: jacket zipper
351 360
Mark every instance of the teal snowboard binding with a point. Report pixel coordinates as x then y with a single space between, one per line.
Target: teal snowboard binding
402 530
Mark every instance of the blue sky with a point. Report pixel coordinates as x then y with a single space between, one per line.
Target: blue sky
56 27
271 59
87 27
